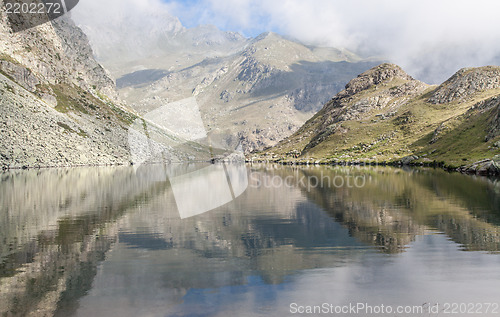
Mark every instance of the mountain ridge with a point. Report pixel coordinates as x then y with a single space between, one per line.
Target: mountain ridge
384 115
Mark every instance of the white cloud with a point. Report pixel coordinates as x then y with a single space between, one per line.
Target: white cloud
431 39
125 29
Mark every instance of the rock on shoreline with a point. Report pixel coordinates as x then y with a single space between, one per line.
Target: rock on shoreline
484 167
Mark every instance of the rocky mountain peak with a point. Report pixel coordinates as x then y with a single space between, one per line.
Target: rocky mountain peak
274 50
465 83
382 73
268 35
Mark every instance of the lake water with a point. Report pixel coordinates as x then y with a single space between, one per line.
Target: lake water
120 242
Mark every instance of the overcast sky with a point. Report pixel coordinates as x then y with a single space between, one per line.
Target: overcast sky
430 39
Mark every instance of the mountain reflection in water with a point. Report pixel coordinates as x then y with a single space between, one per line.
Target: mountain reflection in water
111 241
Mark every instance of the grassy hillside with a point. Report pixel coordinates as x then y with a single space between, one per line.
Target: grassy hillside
384 115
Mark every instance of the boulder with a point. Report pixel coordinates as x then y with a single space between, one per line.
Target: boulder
485 167
408 159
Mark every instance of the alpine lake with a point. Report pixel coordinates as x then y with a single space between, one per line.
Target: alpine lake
248 240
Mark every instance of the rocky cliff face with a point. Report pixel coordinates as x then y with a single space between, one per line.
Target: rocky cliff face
386 115
59 107
52 53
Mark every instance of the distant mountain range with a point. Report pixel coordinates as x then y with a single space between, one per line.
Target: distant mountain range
384 115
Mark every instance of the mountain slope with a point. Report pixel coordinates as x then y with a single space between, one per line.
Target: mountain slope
59 107
255 97
386 115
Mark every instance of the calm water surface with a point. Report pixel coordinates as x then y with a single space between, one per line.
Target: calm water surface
116 242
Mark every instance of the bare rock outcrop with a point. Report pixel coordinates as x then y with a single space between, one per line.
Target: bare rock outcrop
379 74
465 83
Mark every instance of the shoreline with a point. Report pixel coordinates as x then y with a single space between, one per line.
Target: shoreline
481 168
40 167
118 164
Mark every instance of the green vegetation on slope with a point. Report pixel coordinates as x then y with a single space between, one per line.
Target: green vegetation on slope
384 115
